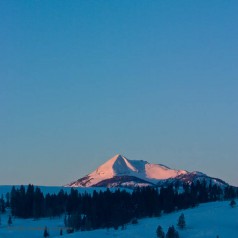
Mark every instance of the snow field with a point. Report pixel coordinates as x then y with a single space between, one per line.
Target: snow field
205 221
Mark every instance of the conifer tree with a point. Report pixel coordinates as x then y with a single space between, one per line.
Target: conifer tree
233 203
2 205
7 199
46 232
181 221
13 200
29 198
9 222
160 232
65 221
172 233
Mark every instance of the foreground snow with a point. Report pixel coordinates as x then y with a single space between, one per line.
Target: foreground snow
206 221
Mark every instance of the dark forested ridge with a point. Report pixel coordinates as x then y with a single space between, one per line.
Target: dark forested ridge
105 209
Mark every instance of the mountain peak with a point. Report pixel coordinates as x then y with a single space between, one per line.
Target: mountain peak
119 167
120 171
117 157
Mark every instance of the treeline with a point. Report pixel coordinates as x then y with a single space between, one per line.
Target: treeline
105 209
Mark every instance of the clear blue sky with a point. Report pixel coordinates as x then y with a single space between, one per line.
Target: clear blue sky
81 81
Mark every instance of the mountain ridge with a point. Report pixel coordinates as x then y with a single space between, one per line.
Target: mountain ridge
122 172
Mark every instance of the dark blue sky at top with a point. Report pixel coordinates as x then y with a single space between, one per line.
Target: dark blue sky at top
81 81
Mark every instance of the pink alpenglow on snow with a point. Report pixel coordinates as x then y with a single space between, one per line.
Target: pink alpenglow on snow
120 171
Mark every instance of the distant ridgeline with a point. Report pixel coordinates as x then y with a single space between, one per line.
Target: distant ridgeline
105 209
122 172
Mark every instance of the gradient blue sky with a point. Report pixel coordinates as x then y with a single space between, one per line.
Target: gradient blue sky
81 81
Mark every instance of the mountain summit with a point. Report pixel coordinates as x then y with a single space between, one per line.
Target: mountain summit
120 171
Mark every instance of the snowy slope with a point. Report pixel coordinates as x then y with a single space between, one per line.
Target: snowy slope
206 221
120 171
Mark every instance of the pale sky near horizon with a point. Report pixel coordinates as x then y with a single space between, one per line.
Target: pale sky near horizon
81 81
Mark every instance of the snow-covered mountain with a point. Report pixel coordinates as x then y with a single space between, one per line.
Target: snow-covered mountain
122 172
